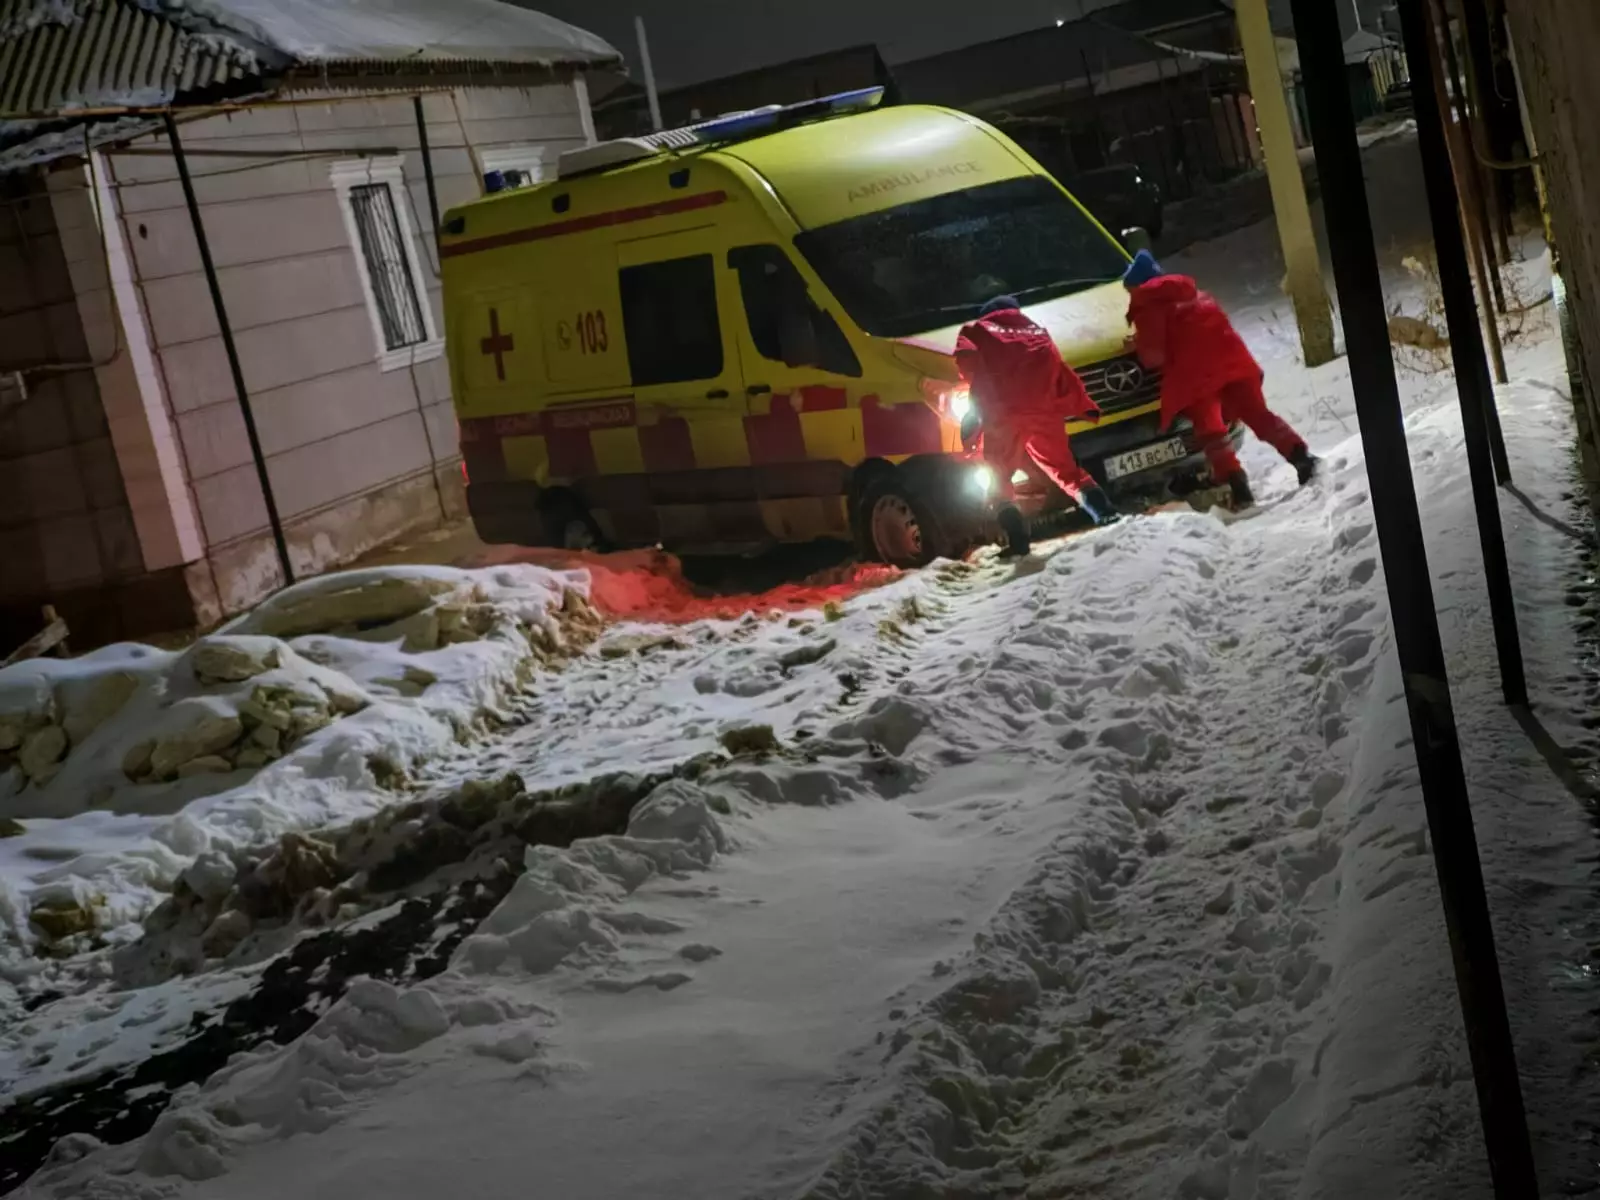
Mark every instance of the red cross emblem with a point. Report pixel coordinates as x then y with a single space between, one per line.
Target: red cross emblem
498 344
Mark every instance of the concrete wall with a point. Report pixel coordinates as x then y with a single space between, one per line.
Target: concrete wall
65 520
1556 42
357 454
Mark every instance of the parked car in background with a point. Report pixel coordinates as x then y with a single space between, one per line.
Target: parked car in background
1120 197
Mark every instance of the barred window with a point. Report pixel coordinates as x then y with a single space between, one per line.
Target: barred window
378 217
388 266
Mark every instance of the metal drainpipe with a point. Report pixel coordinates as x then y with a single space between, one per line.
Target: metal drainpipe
229 348
427 171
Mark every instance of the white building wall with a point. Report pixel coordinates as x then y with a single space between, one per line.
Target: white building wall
357 454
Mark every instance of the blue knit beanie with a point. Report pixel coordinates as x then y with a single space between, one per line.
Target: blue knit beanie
999 304
1141 270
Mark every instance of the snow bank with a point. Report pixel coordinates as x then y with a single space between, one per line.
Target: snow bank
120 768
571 906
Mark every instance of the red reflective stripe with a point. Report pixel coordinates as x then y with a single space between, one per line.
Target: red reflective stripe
615 412
571 454
617 216
892 429
818 398
775 437
666 445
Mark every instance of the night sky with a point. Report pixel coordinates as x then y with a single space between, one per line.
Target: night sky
691 40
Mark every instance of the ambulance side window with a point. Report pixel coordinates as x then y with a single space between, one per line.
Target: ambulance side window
669 315
786 324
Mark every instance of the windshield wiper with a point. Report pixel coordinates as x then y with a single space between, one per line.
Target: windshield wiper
1074 285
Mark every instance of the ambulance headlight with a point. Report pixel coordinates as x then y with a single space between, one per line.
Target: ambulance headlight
981 480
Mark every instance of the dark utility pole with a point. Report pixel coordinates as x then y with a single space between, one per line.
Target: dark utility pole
229 348
1410 588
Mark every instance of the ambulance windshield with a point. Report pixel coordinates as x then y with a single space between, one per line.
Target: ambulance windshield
934 262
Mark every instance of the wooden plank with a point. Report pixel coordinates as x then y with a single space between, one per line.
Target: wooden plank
53 635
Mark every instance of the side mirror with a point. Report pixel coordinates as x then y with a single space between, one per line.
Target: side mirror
1136 239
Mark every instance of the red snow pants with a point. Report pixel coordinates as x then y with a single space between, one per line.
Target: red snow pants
1039 450
1242 401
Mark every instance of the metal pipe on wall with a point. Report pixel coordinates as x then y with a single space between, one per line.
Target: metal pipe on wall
1466 181
228 347
1435 739
1494 111
427 171
1468 119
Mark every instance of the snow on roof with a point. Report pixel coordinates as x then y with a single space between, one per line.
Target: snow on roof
1363 43
145 53
392 31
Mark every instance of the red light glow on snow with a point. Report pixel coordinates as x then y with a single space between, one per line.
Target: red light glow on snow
649 586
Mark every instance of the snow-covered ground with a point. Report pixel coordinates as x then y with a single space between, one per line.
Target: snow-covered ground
1103 873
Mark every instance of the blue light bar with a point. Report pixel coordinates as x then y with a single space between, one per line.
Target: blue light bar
752 124
736 128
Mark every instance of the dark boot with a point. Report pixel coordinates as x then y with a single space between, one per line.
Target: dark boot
1239 485
1097 505
1305 464
1015 526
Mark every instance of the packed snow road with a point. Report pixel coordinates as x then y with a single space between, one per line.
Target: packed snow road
1104 873
1101 874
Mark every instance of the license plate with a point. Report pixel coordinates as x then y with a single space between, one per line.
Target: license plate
1131 462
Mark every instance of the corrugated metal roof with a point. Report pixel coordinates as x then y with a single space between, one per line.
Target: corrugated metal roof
394 32
63 55
64 63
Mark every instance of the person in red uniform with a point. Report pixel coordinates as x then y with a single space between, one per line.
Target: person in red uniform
1024 394
1208 373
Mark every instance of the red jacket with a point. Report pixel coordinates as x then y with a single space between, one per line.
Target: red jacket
1017 375
1183 333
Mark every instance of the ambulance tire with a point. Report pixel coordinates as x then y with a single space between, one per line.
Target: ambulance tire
895 525
568 524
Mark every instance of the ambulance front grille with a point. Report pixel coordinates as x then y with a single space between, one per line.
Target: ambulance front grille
1119 384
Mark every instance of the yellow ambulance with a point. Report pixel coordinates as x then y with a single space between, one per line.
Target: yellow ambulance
741 333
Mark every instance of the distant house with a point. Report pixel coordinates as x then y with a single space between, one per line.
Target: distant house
130 491
626 110
1156 83
1376 65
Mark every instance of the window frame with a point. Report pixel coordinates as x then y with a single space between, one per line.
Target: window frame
346 175
634 344
824 325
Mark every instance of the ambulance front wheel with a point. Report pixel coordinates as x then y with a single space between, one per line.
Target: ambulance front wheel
568 525
895 525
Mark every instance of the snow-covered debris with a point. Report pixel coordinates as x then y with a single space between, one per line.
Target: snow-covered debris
27 15
310 709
